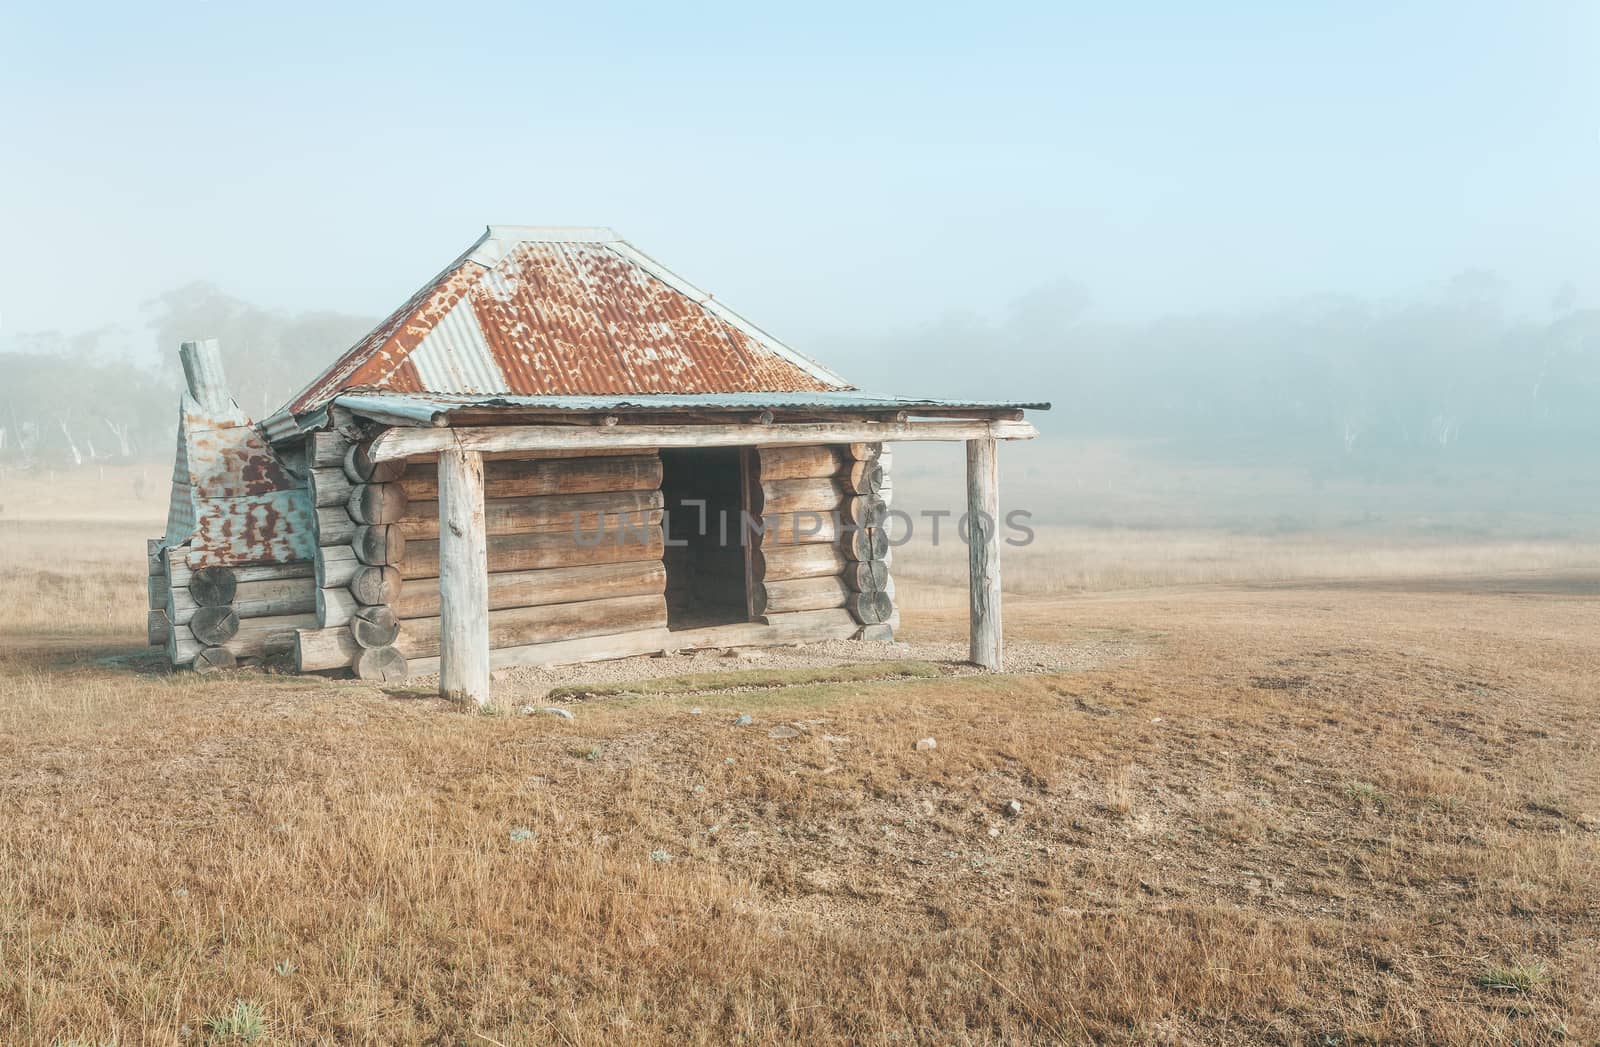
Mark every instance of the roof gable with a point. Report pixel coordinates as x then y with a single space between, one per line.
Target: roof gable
536 311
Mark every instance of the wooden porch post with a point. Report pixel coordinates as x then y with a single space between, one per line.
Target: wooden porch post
983 550
463 579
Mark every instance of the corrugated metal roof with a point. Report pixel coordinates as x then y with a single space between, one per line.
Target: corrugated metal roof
435 409
535 311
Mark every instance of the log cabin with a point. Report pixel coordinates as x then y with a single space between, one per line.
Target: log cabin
556 451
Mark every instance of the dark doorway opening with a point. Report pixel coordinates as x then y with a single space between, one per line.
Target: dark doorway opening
705 558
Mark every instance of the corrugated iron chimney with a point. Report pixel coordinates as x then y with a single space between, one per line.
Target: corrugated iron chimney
202 370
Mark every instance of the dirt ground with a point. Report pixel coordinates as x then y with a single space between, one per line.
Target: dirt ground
1308 814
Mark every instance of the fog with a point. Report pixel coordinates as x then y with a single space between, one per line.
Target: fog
1274 266
1448 407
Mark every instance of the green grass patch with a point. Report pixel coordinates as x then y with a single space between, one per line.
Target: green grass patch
1516 977
750 679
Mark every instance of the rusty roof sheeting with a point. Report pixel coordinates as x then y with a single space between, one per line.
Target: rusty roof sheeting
533 311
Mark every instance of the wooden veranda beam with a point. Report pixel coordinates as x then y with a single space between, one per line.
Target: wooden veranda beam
463 579
983 551
402 442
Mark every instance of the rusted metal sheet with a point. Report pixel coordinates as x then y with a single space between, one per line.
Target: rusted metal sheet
233 501
564 312
275 527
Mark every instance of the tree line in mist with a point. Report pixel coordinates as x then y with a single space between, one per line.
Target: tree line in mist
1453 374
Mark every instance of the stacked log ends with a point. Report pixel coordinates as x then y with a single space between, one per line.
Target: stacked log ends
800 566
377 503
374 627
214 626
379 544
219 616
213 586
381 665
872 600
359 592
376 584
359 467
158 627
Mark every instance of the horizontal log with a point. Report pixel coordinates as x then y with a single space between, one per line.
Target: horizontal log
335 526
539 477
531 552
256 638
329 487
801 528
335 607
327 449
791 463
336 565
814 494
158 591
183 574
798 627
782 563
318 649
157 627
278 596
551 454
520 626
359 468
587 513
800 594
404 443
374 503
420 597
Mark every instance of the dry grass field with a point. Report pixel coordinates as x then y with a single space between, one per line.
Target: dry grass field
1314 804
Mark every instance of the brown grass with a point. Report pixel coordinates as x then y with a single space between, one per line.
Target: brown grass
1305 814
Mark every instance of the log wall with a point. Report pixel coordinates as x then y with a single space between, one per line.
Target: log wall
823 543
560 584
208 616
574 551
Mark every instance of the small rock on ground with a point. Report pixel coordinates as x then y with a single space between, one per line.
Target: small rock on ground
924 744
548 710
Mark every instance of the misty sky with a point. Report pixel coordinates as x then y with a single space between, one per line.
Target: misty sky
821 168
